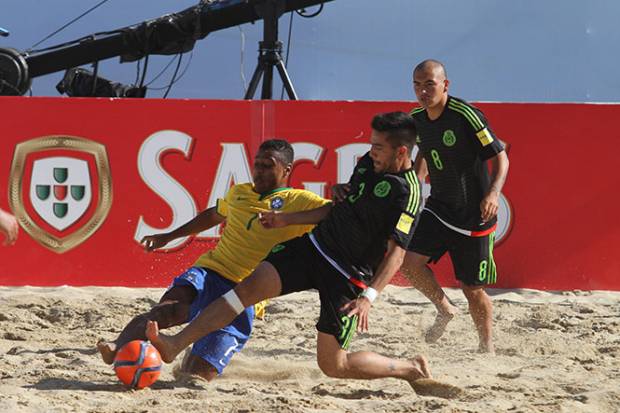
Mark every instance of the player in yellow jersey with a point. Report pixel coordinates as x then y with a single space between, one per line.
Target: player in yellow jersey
243 244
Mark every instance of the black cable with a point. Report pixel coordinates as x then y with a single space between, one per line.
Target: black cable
162 71
146 65
135 82
174 75
95 72
309 16
288 49
180 76
67 25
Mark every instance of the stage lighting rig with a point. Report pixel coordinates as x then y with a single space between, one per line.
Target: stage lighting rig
167 35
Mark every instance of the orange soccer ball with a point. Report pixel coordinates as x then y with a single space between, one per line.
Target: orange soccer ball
137 364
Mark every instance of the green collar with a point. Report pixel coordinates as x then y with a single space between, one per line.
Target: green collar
273 191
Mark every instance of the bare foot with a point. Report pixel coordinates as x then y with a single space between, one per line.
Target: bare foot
430 387
435 331
107 351
421 369
486 348
161 342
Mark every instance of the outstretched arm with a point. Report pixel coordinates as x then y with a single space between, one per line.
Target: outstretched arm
273 219
203 221
8 227
499 171
391 262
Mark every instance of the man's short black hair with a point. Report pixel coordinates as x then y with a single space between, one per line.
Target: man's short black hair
399 127
430 63
281 148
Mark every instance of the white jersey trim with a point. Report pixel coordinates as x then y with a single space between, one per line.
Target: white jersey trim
452 227
328 258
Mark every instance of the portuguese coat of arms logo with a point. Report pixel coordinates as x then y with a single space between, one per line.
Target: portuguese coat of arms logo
60 190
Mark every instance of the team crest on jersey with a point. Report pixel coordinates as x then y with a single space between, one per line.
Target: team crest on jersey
382 189
361 170
449 138
277 203
60 189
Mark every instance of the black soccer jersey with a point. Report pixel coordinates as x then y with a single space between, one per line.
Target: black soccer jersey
455 147
378 207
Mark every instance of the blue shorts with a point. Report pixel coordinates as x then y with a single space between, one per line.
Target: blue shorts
218 347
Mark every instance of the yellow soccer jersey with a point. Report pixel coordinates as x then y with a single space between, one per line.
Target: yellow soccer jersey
245 242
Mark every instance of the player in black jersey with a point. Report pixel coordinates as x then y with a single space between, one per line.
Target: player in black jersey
455 142
349 257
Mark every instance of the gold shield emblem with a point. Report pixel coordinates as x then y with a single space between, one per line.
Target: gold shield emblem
59 194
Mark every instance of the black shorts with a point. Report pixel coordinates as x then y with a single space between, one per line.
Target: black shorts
301 267
472 257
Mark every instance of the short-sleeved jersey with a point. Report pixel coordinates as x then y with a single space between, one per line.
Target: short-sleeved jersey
245 242
378 207
455 147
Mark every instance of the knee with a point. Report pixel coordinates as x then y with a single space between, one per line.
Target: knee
414 264
416 274
333 368
476 295
472 291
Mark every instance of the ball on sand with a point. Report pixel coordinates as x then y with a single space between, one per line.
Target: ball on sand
137 364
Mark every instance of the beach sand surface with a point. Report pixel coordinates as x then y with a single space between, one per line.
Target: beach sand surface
556 352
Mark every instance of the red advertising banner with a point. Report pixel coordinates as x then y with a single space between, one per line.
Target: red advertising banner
88 178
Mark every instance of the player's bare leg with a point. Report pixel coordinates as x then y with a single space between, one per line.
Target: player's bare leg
336 362
422 278
263 283
172 310
481 310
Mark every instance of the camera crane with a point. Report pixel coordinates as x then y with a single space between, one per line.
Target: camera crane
166 35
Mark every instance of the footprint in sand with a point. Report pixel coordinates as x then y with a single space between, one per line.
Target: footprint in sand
430 387
509 375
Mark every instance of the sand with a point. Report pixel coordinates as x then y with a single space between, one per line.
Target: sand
556 352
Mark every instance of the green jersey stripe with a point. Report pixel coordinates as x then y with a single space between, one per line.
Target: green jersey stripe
476 124
414 194
468 113
416 110
469 119
416 199
411 194
462 112
418 193
469 110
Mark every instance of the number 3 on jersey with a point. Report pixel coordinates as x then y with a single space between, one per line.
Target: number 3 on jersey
355 197
436 159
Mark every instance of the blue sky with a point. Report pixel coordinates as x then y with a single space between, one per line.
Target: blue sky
517 51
